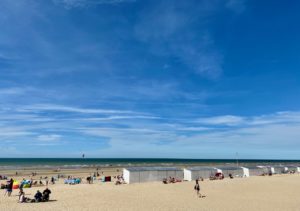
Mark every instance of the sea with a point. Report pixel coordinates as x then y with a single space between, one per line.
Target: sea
74 163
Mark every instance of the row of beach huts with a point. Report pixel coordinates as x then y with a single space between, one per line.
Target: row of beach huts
151 174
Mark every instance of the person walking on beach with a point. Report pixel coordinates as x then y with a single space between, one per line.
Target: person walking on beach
10 187
197 188
52 180
21 186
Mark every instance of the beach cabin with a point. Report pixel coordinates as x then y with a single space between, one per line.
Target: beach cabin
150 174
292 168
257 170
271 169
194 173
280 169
234 171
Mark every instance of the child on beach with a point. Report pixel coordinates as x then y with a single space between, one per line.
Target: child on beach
197 188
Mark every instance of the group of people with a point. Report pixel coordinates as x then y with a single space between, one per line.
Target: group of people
52 180
38 197
2 177
171 180
217 176
120 180
90 179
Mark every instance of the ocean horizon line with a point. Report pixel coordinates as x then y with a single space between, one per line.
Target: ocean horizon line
117 158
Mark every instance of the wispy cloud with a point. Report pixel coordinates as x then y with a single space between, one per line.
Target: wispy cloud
144 75
237 6
49 138
12 91
222 120
287 117
87 3
242 133
15 131
171 37
60 108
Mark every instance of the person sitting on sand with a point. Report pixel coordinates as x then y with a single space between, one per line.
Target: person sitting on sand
173 180
38 196
46 194
22 198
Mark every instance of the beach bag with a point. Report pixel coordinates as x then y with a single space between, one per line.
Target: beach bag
107 179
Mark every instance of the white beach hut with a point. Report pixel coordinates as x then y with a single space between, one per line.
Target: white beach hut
266 169
194 173
150 174
234 171
246 172
271 169
292 168
257 170
280 169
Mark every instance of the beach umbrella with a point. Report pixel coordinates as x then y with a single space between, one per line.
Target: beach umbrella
16 185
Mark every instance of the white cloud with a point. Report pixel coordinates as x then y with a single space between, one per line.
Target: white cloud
86 3
173 36
241 133
49 138
109 118
12 91
62 108
288 117
14 132
222 120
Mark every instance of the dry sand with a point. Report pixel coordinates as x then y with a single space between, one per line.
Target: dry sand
281 192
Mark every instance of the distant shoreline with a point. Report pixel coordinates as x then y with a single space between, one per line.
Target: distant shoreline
87 163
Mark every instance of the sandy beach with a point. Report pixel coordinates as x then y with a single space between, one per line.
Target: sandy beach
279 192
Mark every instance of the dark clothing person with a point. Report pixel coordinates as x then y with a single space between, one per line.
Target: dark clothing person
89 180
22 185
46 194
38 196
10 187
197 188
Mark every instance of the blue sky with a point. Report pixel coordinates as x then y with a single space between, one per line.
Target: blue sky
150 78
